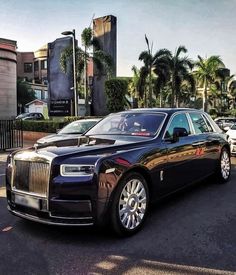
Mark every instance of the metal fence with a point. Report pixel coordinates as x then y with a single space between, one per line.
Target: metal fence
11 134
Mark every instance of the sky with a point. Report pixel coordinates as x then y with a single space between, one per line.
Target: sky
204 27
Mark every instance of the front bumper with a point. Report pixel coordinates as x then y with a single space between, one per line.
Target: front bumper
54 212
53 221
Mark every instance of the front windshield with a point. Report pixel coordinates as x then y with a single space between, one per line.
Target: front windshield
77 127
131 124
233 127
22 115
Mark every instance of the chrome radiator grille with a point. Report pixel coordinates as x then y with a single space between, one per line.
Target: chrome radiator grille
32 177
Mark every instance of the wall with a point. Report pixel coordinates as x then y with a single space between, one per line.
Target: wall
7 78
25 57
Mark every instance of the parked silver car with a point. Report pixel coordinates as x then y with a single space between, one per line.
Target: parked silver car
231 134
71 131
225 122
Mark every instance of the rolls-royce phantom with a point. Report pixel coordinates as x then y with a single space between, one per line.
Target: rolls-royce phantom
115 170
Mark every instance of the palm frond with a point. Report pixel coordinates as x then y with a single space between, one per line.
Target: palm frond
180 49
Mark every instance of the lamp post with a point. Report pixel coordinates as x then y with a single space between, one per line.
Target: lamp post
74 70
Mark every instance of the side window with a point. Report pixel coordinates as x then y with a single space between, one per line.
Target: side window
179 121
199 123
208 124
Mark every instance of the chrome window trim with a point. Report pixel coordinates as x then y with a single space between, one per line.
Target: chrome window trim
159 129
170 120
209 118
206 120
202 114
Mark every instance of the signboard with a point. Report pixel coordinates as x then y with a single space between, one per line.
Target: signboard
60 93
60 107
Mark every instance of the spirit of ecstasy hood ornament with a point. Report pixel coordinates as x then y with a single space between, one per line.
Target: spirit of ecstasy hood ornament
36 147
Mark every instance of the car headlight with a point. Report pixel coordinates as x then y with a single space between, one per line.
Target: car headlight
73 170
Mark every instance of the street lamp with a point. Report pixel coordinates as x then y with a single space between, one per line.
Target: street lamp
74 70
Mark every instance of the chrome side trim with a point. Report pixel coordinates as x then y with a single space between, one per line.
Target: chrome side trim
36 195
43 221
70 218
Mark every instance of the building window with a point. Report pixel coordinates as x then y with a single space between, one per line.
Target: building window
38 94
44 94
44 65
36 66
28 67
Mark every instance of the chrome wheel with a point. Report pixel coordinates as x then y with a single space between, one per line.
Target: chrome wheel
225 165
132 204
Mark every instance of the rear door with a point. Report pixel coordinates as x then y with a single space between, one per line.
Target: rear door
208 142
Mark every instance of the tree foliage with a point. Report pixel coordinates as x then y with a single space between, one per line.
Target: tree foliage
180 71
91 51
116 89
24 94
206 73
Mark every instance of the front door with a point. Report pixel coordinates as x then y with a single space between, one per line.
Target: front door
181 167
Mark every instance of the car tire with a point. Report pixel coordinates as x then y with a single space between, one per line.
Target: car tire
130 205
223 170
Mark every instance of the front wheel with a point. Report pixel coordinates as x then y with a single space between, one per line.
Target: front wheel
223 167
130 204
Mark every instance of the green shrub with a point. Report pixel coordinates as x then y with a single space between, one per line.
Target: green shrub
116 89
213 113
233 112
48 126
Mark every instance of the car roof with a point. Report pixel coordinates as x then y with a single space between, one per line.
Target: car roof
230 118
88 120
162 110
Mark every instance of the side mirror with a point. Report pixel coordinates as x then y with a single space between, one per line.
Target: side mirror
179 132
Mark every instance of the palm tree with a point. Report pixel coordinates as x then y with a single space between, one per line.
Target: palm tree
135 88
153 64
161 70
146 72
101 60
232 91
206 73
179 69
222 84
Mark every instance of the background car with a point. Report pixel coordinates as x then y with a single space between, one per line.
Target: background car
225 122
71 131
231 134
30 116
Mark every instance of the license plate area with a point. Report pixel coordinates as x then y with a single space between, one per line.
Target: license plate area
28 201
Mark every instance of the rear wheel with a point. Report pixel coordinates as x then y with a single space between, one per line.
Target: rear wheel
130 204
223 167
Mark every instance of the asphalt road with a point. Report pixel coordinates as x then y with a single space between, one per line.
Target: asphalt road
190 233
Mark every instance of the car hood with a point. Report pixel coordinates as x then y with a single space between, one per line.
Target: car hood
87 146
231 134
